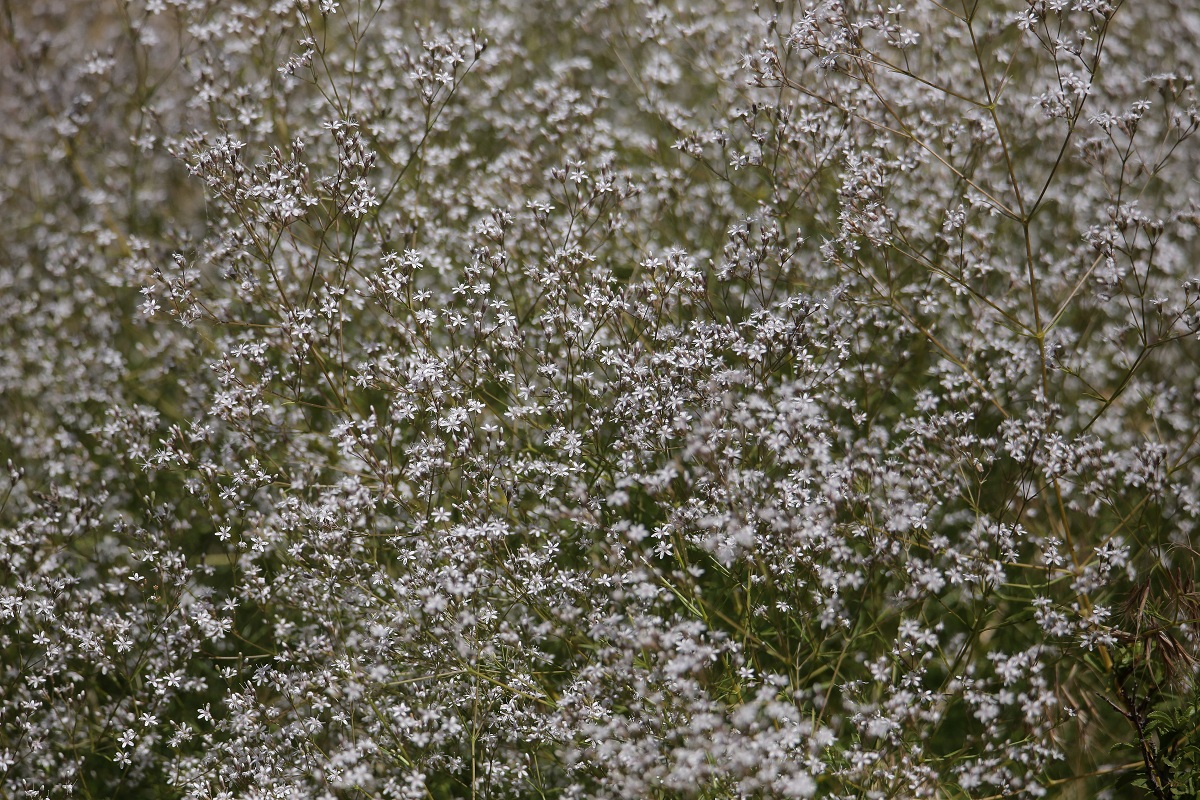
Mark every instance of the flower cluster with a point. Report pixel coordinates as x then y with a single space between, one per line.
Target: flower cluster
599 400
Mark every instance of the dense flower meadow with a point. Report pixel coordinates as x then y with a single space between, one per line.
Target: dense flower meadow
599 399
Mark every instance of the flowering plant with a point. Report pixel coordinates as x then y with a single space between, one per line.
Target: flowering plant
665 399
